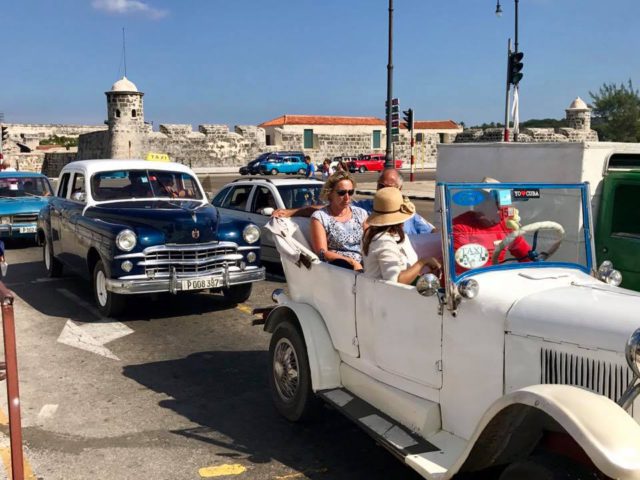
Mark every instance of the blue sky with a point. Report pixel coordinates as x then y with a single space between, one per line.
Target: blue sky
248 61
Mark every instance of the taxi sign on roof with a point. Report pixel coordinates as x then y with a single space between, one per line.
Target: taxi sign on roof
157 157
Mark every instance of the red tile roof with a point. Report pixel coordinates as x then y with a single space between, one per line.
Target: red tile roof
321 120
436 125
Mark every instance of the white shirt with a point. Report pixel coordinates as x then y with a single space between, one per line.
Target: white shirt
387 258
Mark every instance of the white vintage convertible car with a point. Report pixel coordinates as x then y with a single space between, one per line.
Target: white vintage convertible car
517 367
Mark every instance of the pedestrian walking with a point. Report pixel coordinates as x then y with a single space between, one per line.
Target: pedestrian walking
311 168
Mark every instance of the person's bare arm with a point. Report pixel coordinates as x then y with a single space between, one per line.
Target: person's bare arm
296 212
409 275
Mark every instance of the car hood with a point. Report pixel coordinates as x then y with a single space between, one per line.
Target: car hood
180 221
22 205
589 314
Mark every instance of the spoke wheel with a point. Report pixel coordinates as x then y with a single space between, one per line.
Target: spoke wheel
289 376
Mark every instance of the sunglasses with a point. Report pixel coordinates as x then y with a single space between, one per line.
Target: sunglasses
342 193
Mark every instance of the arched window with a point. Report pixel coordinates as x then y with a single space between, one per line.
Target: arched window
117 113
133 113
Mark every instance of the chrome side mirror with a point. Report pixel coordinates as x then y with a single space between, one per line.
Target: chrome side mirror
267 211
608 274
428 285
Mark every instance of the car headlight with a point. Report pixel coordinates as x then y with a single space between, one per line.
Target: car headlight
632 352
608 274
251 233
126 240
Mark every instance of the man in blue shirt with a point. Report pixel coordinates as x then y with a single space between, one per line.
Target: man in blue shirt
388 178
311 167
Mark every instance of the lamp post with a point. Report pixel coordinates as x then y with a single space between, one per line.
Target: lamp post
509 53
388 158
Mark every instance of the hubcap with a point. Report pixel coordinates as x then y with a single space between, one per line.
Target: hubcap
285 369
101 288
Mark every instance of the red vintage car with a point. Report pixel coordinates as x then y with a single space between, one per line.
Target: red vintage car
373 162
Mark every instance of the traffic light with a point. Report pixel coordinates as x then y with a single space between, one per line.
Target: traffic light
407 116
5 134
515 66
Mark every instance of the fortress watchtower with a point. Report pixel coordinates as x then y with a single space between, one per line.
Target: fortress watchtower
125 119
579 115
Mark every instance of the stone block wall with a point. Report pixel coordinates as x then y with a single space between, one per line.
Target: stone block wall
54 162
528 135
93 145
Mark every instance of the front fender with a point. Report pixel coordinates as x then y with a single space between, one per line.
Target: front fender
324 361
607 433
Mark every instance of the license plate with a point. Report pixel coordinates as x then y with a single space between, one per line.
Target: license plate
201 283
27 229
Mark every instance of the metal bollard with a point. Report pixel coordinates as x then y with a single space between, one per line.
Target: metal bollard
11 372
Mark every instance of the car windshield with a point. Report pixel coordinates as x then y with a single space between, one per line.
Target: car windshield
493 226
129 184
36 186
296 196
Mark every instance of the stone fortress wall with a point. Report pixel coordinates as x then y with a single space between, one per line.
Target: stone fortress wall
126 135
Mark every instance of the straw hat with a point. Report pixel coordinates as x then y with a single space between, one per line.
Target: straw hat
390 208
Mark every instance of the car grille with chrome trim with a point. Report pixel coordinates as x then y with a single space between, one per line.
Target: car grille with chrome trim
188 260
24 218
606 378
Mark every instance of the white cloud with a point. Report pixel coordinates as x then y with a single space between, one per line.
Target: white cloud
128 6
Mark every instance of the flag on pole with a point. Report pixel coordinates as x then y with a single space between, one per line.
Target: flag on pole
515 111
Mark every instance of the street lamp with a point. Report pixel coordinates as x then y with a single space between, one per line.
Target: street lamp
510 77
388 158
498 9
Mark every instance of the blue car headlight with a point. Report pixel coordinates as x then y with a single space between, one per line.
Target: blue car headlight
251 233
126 240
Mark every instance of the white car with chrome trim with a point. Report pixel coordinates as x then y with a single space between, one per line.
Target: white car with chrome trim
515 365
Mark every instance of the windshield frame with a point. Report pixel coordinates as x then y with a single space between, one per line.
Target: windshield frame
445 190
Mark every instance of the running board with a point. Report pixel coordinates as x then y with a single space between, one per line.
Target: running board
382 428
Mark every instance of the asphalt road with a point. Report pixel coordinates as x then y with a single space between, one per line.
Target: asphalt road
176 390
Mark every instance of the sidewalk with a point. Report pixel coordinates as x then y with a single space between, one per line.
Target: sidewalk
420 190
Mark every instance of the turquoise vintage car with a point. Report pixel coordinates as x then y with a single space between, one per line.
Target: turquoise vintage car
22 195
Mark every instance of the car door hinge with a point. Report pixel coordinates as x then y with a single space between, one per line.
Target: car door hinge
355 342
439 365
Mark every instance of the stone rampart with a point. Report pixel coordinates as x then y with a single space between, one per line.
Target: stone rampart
93 145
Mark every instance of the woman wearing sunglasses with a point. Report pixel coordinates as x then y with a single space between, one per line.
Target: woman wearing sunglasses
388 254
337 229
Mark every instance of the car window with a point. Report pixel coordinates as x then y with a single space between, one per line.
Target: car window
78 192
263 198
15 187
64 184
127 184
217 200
237 198
296 196
625 221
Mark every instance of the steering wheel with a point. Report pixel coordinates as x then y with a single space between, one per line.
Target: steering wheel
531 228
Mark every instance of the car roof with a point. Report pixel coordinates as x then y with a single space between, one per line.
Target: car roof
16 174
93 166
277 182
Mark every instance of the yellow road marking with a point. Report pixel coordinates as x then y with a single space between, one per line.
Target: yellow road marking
244 308
5 453
221 470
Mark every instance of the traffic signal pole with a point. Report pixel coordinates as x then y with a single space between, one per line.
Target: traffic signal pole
389 159
506 99
413 158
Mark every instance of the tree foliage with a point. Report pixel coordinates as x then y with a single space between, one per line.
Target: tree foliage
616 112
60 140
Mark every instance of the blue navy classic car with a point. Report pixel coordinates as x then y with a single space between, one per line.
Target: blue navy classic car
134 227
22 195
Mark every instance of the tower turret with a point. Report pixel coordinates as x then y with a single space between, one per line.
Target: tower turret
125 119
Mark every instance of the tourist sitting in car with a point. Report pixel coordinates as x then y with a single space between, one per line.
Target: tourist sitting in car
387 252
388 178
337 229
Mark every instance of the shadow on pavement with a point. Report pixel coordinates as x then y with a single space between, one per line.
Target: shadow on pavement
227 395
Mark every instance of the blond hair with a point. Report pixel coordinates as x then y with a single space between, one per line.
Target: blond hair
333 180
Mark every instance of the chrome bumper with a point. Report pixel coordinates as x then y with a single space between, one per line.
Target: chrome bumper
174 283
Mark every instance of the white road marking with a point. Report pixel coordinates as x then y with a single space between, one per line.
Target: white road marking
91 336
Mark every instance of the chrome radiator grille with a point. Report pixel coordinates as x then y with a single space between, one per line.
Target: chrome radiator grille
189 259
25 218
605 378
